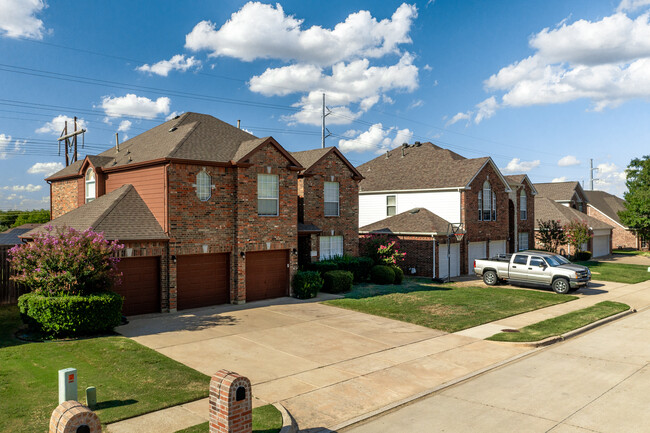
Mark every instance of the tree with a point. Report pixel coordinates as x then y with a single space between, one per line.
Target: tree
637 198
551 235
41 216
577 234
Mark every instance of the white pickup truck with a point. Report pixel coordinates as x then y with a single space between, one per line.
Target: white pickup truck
534 267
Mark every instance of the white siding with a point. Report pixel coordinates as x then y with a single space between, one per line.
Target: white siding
445 204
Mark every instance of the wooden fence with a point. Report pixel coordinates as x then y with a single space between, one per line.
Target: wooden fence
9 291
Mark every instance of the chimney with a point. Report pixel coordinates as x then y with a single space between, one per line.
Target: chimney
117 143
238 124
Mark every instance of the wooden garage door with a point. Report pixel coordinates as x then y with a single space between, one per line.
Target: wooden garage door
267 274
202 280
140 285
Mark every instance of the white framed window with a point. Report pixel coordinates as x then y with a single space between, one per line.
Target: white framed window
331 246
91 190
268 194
391 205
523 205
331 197
203 186
487 201
523 241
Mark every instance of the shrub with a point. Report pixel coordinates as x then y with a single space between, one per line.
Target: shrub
364 265
306 284
399 275
322 266
64 316
359 266
583 256
66 262
337 281
381 274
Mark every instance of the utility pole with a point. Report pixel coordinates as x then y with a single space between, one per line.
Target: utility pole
70 145
591 174
323 129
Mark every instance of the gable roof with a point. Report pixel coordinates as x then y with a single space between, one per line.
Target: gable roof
607 204
519 179
547 209
424 166
120 215
12 236
418 220
559 191
190 136
310 158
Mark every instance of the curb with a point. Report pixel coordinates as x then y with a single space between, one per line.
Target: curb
558 338
289 425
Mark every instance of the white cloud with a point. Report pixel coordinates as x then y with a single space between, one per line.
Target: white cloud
6 148
417 103
177 62
568 160
125 125
486 109
46 168
458 117
632 5
376 139
18 18
261 31
518 166
427 68
56 125
610 178
135 106
559 179
27 188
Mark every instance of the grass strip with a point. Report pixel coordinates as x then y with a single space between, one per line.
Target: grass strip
617 272
266 419
562 324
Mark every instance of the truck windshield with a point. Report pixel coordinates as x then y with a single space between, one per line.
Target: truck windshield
553 261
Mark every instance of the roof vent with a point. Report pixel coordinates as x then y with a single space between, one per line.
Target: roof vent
418 144
405 145
130 159
386 154
403 151
416 210
172 129
177 116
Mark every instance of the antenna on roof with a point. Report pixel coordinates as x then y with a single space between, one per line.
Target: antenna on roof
117 143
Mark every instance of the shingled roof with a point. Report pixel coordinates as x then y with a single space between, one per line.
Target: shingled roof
424 166
547 209
418 220
558 191
120 215
309 158
608 204
12 236
190 136
518 179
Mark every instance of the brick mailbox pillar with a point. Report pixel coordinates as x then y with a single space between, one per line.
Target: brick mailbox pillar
73 417
231 407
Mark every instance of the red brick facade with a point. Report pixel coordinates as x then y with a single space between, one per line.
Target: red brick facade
64 195
231 406
621 238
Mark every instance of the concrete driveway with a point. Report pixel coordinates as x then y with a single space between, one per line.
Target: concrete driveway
326 365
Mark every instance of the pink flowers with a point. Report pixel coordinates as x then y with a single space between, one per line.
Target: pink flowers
389 253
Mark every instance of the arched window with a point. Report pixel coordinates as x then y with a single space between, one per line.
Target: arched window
487 201
523 205
91 192
203 186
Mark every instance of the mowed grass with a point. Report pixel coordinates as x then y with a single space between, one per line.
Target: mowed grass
617 272
266 419
130 379
632 253
445 307
562 324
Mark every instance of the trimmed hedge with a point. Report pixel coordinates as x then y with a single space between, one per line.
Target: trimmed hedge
306 284
582 256
359 266
381 274
322 266
68 316
337 281
399 275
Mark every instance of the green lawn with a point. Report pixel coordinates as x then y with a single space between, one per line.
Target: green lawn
446 307
130 378
617 272
632 253
266 419
565 323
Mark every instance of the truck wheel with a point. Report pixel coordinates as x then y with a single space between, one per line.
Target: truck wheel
561 286
490 278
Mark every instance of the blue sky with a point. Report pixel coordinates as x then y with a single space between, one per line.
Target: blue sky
540 86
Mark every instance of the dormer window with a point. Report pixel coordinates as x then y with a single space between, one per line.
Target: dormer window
203 186
91 192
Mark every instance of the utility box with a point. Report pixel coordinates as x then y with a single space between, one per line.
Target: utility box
67 384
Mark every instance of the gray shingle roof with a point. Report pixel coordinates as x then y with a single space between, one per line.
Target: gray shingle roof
558 191
308 158
518 179
422 167
607 203
417 220
547 209
120 215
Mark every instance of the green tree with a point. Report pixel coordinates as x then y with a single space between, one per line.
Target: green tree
551 235
637 198
40 216
577 234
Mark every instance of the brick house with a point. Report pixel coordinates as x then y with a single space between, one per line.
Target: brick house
222 202
521 208
446 188
328 205
571 196
605 207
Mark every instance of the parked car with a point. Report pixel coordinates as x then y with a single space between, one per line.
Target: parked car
534 267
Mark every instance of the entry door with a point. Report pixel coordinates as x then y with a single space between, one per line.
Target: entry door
454 260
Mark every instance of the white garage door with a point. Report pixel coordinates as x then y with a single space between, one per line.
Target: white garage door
601 246
476 251
454 260
497 247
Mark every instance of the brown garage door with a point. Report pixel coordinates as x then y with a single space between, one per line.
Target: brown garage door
140 285
267 274
202 280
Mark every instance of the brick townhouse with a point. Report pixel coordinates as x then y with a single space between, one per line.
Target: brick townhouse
605 207
328 205
207 212
413 193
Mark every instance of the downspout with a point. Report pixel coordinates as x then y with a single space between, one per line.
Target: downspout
433 267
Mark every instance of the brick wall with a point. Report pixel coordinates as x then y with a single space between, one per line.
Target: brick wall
64 196
527 225
311 189
620 237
